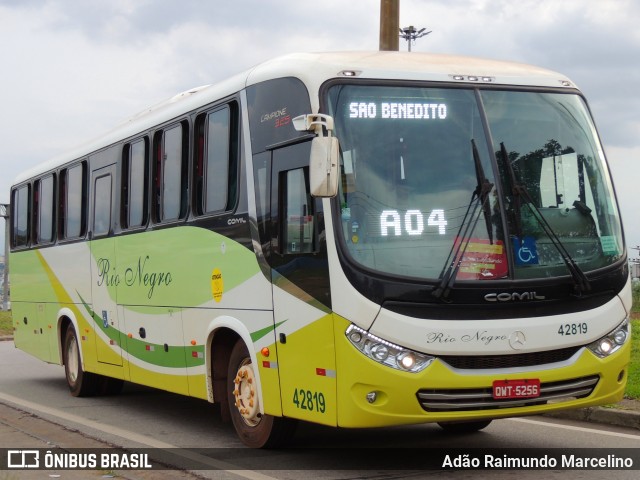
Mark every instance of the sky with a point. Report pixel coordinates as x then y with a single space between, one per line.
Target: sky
72 69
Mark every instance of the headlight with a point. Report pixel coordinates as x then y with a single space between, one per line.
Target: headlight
387 353
611 342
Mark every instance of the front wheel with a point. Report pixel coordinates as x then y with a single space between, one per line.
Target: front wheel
464 427
256 430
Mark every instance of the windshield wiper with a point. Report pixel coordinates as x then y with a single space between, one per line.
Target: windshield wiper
581 282
459 248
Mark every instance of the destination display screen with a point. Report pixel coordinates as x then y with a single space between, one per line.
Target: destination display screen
398 110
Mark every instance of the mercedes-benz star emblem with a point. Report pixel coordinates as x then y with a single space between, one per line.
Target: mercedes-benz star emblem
517 340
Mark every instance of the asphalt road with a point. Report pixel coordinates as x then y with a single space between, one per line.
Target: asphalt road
142 418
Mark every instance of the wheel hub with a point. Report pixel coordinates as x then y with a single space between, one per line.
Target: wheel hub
246 399
73 361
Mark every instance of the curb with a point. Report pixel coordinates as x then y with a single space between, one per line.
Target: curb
608 416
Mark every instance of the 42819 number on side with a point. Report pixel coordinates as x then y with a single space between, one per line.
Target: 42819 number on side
309 400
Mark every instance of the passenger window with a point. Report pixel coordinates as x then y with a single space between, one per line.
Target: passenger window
20 216
44 222
73 201
171 181
102 206
170 173
217 153
135 184
217 165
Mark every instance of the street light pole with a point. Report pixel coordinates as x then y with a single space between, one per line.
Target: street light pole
389 22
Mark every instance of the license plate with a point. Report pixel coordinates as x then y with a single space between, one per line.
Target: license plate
528 388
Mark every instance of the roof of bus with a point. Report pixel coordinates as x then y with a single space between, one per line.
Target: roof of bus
314 69
318 67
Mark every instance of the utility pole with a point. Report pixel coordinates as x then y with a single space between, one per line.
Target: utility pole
410 34
389 24
4 213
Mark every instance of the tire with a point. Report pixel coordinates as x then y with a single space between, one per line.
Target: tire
254 429
464 427
81 383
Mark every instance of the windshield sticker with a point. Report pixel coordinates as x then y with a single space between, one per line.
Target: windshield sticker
396 110
526 251
483 260
609 245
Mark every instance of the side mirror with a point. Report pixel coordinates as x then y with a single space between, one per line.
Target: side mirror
323 161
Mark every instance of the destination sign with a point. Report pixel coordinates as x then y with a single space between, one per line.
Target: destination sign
398 110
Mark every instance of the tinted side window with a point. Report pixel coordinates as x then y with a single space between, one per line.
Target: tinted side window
73 201
217 166
135 184
170 187
20 217
44 225
217 160
171 167
102 206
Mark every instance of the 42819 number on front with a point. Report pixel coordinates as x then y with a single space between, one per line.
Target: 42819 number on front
309 400
572 329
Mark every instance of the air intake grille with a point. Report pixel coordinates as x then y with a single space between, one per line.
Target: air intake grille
508 361
457 400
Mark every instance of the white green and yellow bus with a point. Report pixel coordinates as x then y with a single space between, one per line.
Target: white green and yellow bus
351 239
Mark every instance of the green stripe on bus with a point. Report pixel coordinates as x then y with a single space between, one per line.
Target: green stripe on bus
170 356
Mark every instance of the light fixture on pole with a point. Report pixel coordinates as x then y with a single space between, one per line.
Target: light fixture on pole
410 34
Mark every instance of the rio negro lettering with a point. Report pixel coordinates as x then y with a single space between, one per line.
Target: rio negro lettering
106 275
138 275
479 337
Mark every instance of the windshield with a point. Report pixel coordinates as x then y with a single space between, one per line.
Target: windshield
419 192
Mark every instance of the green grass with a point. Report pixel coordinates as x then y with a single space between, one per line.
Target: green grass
6 324
636 299
633 380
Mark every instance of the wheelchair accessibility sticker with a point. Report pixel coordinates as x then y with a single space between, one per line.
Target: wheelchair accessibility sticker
525 251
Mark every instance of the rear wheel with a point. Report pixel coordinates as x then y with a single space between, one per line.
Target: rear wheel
81 383
464 427
254 429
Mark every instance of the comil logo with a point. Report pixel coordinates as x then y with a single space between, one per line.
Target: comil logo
23 459
513 297
235 221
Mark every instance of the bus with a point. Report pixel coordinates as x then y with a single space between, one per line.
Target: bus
357 239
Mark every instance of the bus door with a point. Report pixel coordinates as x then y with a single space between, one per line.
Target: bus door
104 274
303 322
